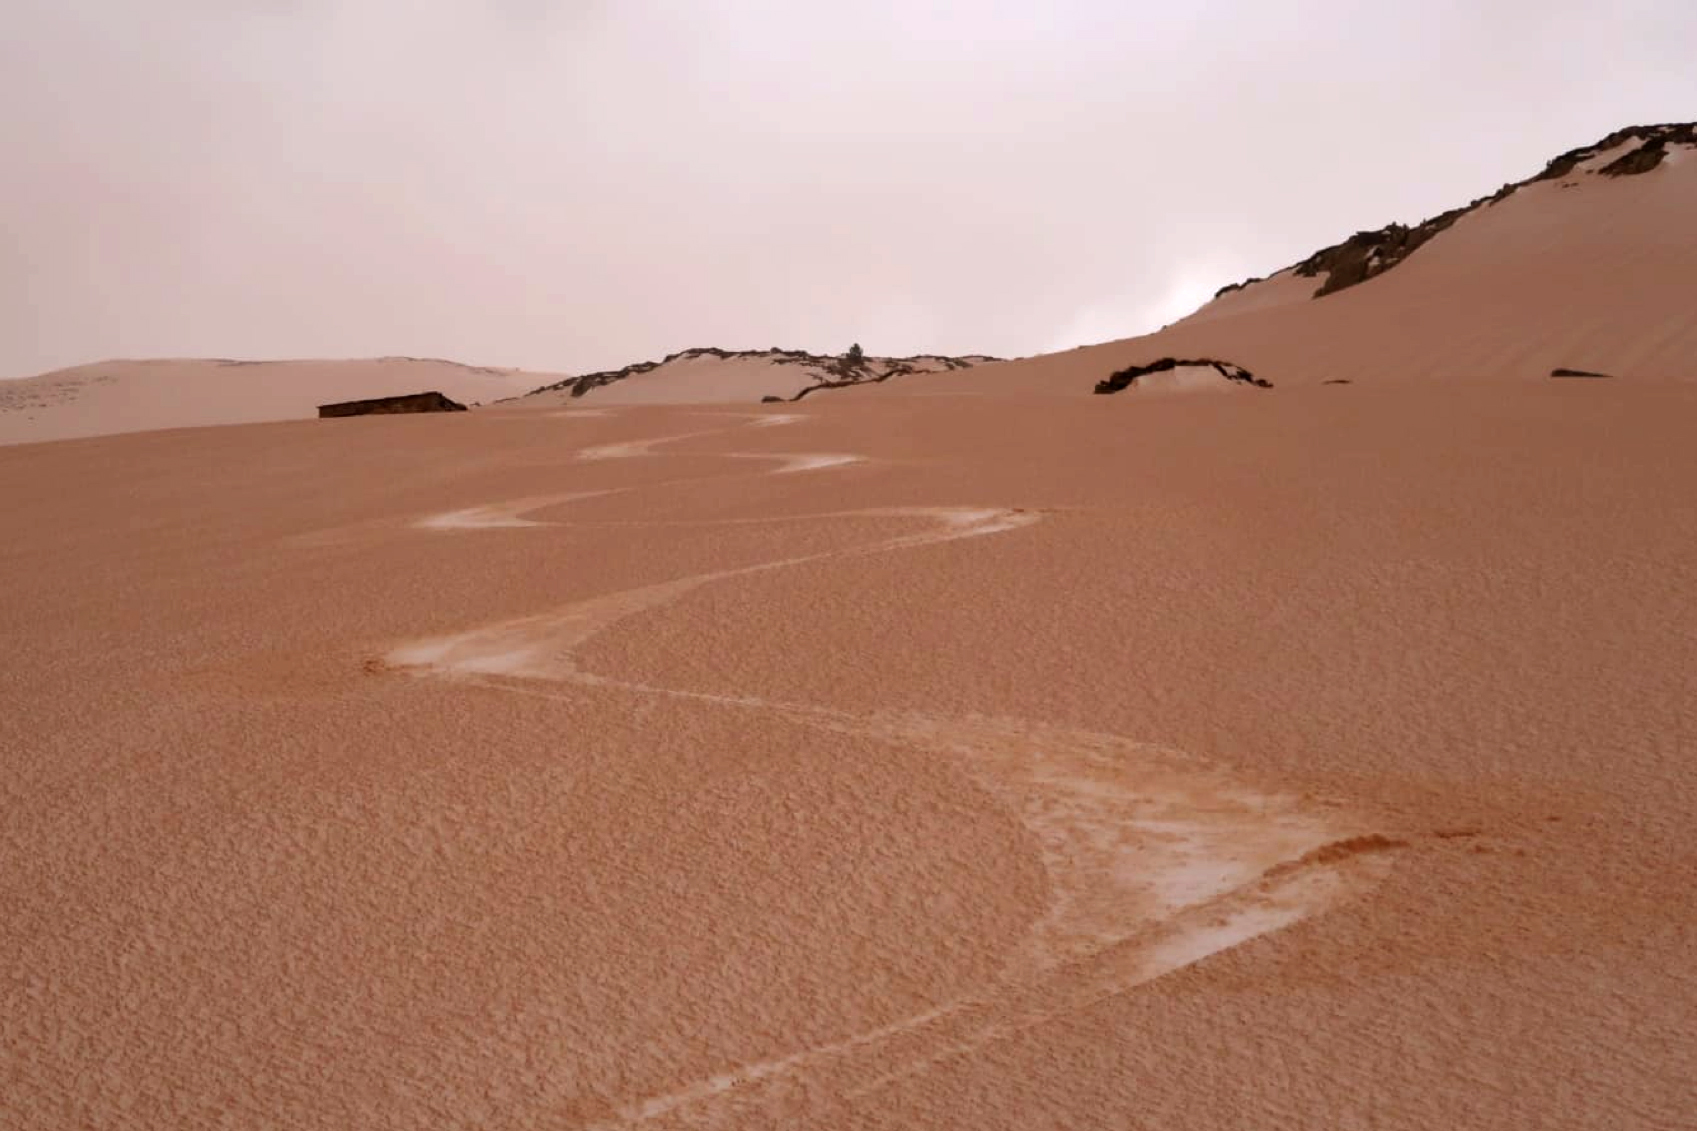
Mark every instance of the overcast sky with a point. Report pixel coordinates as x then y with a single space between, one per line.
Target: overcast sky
572 186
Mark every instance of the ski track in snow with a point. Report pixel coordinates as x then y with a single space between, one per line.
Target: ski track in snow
497 516
1155 861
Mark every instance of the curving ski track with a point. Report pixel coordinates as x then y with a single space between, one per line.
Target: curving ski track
1155 861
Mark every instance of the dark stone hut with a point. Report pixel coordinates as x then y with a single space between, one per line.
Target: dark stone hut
411 402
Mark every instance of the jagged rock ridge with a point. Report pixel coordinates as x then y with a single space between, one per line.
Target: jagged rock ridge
1367 254
833 370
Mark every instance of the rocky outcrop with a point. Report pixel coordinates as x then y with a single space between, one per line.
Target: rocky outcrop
847 373
1578 373
1125 378
832 385
1653 146
378 406
1656 140
580 385
843 383
1230 287
1365 255
835 371
1640 160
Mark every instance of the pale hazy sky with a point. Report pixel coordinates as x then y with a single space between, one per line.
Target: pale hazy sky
572 186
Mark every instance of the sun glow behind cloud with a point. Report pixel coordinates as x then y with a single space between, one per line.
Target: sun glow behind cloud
1128 317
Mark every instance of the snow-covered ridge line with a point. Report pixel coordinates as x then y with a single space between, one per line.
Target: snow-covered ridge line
846 368
1631 151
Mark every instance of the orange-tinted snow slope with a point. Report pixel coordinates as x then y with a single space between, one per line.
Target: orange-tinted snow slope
1304 757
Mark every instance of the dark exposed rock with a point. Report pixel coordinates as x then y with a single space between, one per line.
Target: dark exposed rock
1563 372
1654 139
578 386
1640 160
840 370
1338 381
1125 378
849 373
844 384
1368 254
377 406
1230 287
